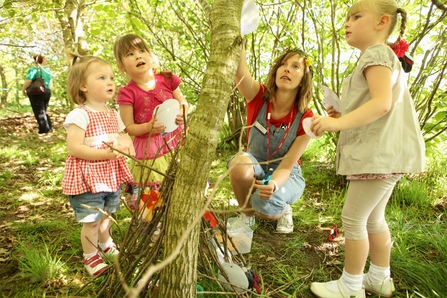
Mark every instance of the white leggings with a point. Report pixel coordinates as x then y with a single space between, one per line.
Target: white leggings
364 209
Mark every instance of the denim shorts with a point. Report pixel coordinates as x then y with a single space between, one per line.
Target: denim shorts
106 201
288 193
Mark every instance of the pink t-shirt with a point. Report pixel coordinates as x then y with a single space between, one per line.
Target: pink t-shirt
144 103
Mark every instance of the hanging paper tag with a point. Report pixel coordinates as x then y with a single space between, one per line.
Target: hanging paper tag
249 17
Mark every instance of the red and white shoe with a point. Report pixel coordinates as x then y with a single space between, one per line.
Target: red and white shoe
95 265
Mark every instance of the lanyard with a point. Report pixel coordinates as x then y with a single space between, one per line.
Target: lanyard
269 114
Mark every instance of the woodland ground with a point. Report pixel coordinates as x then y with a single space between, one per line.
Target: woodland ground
306 249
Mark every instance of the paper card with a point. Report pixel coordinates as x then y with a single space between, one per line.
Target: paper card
331 99
249 17
306 126
166 114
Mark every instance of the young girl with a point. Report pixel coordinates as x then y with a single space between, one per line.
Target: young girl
137 101
380 140
276 110
93 172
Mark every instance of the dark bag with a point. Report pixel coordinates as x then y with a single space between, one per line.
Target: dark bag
37 86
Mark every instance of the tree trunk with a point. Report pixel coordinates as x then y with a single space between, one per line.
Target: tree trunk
179 278
70 19
4 87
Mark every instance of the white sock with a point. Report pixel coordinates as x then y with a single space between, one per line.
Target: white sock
378 274
105 245
87 256
350 283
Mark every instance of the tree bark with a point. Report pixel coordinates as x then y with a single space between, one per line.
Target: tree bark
4 87
179 278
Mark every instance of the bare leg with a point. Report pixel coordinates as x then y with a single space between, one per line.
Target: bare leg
380 248
242 179
105 234
355 256
89 236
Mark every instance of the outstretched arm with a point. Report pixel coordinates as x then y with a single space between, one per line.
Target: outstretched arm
246 85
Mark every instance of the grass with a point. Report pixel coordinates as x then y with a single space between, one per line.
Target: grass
39 264
40 251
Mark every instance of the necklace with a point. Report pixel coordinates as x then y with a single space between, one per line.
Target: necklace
269 114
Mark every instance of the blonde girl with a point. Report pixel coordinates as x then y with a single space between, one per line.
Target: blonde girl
380 140
93 173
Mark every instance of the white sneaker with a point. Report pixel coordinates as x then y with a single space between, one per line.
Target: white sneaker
95 265
320 290
384 289
285 222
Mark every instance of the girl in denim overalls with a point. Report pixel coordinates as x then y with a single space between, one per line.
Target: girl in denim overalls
270 167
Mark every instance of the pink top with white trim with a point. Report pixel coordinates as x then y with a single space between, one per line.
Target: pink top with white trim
144 103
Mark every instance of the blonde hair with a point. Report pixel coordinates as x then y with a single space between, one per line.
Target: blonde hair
304 94
382 7
78 74
129 42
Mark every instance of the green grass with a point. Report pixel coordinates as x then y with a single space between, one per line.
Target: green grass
39 264
48 253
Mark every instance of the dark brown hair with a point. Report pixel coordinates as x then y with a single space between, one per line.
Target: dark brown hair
39 58
129 42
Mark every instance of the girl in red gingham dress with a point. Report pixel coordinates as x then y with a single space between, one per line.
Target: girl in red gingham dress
93 172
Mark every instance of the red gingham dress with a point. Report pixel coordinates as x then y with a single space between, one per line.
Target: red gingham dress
95 176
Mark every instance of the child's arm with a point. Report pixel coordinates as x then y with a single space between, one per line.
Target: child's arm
134 129
379 84
177 94
76 147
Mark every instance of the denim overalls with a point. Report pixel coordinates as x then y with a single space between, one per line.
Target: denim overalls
292 190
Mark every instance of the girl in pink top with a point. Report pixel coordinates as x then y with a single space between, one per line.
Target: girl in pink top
137 101
93 173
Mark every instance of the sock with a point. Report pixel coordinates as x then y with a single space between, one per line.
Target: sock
87 256
378 274
104 246
350 283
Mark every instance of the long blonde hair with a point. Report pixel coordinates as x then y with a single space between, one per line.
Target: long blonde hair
304 94
78 73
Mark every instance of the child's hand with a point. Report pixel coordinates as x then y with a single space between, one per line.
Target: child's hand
332 112
155 128
112 154
321 124
179 119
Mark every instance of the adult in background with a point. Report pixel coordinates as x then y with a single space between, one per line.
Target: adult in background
39 102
